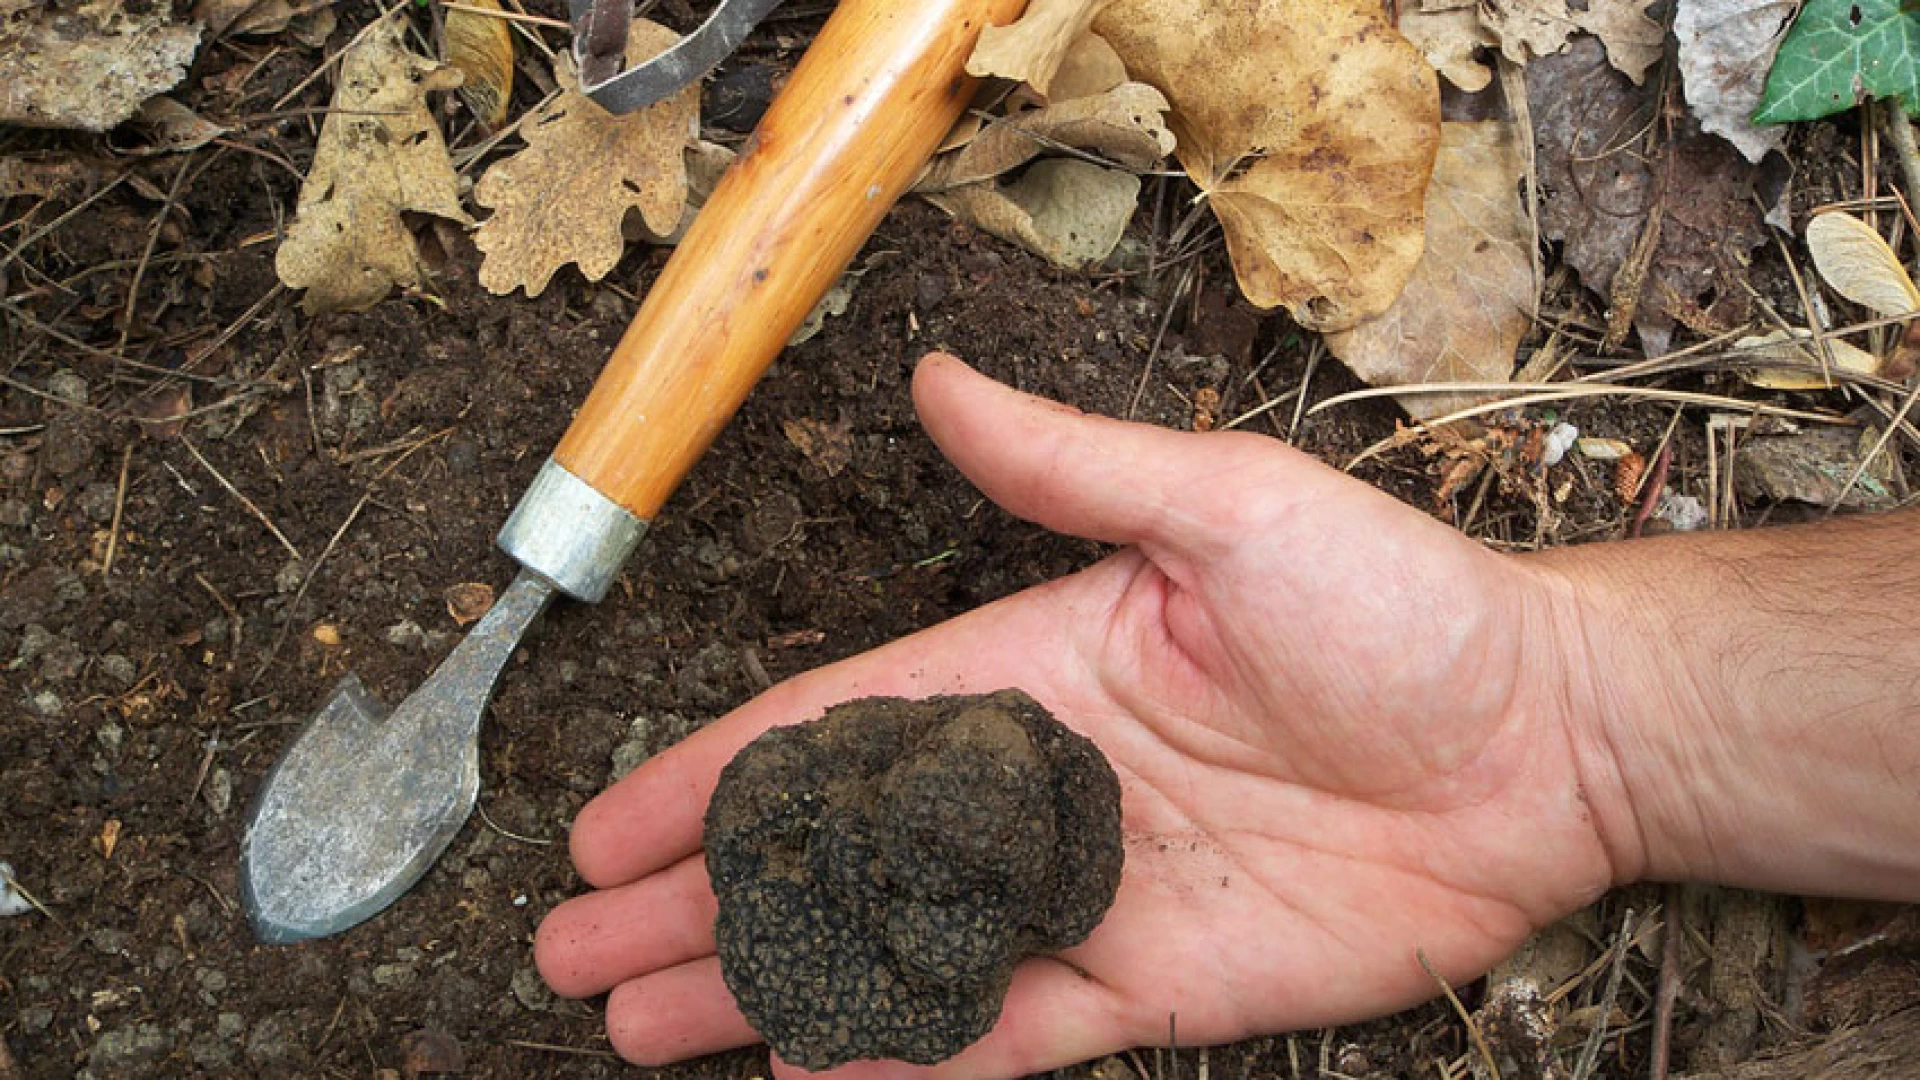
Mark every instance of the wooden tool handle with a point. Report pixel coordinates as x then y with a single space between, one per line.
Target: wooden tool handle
863 111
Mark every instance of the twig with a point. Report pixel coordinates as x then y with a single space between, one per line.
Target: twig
153 238
495 826
1590 1054
1166 319
1893 120
119 507
1314 353
324 65
39 234
1669 987
555 1048
1650 491
1473 1029
509 16
258 514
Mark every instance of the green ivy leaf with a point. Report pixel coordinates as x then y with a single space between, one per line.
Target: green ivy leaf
1840 53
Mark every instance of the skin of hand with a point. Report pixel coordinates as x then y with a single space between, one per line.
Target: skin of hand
1347 736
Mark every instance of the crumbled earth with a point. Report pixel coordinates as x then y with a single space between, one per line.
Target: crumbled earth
906 854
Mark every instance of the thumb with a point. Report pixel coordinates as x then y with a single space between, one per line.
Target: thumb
1099 478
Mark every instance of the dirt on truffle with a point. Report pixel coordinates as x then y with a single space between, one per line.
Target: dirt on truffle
905 855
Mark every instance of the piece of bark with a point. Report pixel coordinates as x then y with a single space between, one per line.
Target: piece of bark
1888 1049
1745 970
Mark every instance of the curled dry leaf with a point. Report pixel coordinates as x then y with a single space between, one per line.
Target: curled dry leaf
468 601
1311 126
253 17
1126 124
1032 49
89 66
1068 211
1860 266
481 46
1470 299
1090 67
1797 363
380 154
562 198
171 127
1726 48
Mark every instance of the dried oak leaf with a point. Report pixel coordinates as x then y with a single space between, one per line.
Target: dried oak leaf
379 155
89 66
1311 127
1471 298
1032 48
1598 189
1528 29
1726 49
562 198
1451 40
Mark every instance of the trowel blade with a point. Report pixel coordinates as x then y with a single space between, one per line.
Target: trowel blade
352 816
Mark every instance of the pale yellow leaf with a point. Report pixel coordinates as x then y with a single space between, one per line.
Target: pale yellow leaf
1468 304
1806 360
1310 126
1126 125
1069 211
1032 48
481 46
562 199
380 155
1859 265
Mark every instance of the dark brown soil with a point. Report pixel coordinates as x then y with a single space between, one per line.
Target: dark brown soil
141 703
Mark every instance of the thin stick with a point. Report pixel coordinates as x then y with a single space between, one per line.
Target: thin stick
1166 319
1879 445
509 16
324 65
40 233
495 826
1314 353
1590 1055
119 507
1669 986
1473 1029
153 238
258 514
555 1048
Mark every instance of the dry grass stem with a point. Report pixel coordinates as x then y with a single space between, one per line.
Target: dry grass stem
1590 1054
258 514
1473 1029
119 509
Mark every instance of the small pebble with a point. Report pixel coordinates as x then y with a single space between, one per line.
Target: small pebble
12 900
68 386
1559 441
118 670
219 792
48 704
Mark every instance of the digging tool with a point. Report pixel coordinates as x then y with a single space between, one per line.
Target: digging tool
359 807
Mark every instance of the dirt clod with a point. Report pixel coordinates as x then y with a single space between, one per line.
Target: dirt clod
907 854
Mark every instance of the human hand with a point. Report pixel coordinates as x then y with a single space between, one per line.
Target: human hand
1343 732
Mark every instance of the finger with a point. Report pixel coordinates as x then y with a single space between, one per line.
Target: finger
652 818
1100 478
676 1014
595 942
1054 1016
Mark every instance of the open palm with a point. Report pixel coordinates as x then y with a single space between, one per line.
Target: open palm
1341 730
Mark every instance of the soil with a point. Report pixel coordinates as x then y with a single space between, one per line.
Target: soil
179 592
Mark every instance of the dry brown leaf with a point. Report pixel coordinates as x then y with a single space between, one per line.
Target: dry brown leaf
380 155
1528 29
1470 300
1126 125
253 17
1797 349
1311 127
42 176
481 46
1859 265
562 199
89 67
468 601
1726 48
1068 211
173 128
1451 40
1090 67
1033 47
828 445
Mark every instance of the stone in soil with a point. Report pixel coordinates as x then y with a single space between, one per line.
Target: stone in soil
907 854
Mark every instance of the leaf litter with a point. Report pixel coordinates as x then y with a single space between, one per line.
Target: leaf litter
1725 50
563 198
90 66
380 155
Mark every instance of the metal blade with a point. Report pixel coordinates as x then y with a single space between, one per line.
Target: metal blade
600 48
359 807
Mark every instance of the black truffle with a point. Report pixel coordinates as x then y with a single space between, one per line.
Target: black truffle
881 870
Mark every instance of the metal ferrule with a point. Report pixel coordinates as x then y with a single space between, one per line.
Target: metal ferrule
570 534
